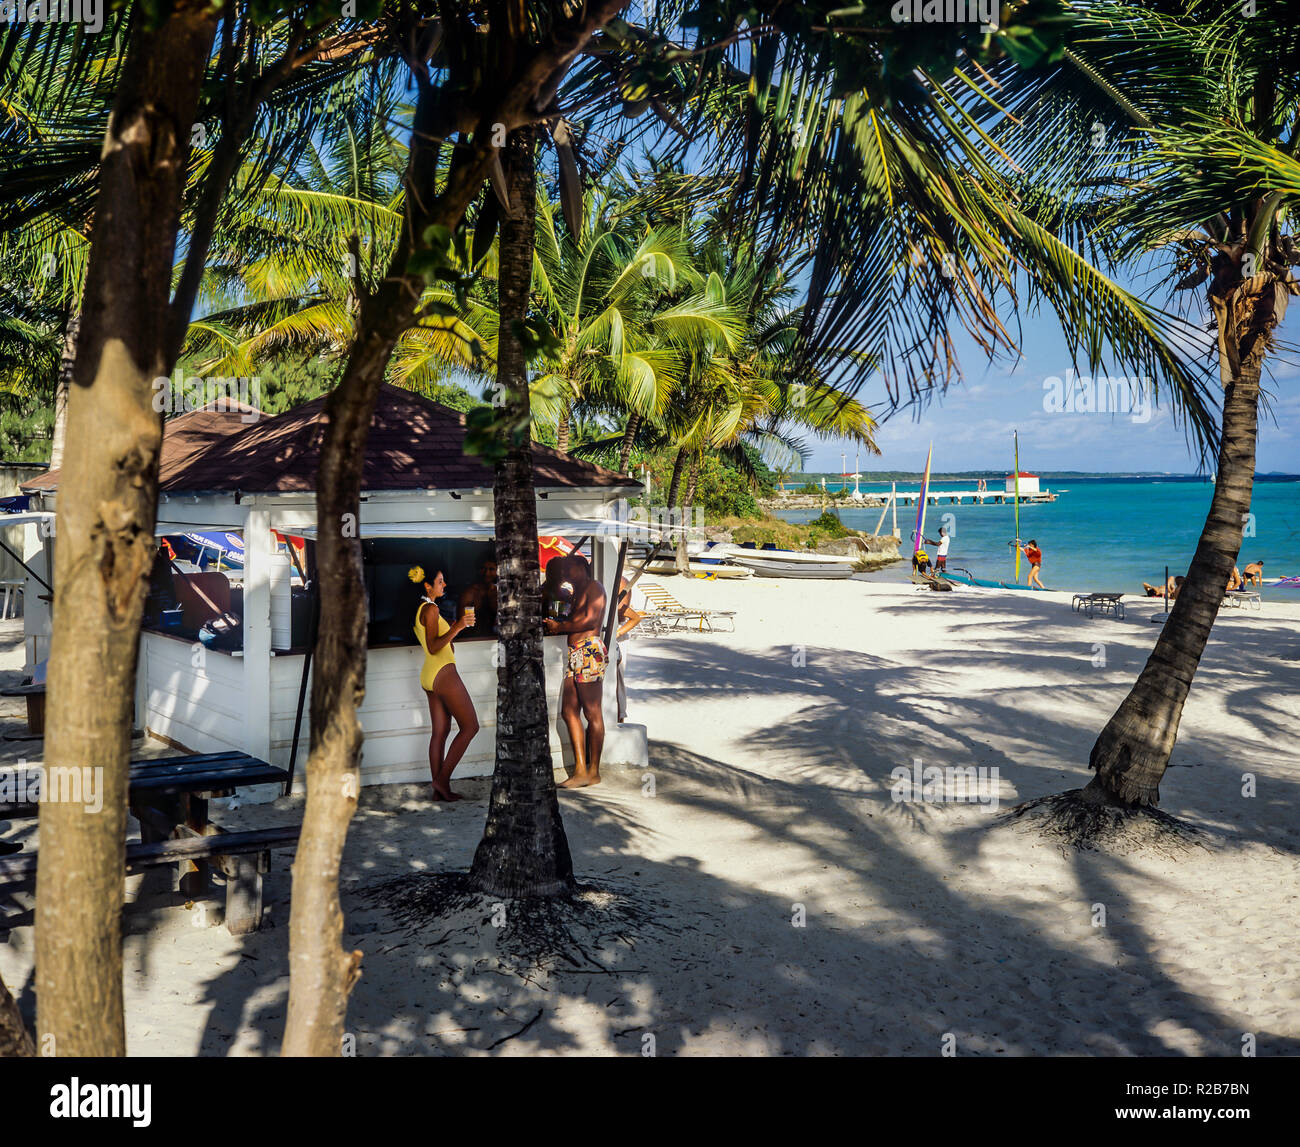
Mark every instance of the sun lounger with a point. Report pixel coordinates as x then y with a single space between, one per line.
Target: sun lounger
1095 603
668 614
1243 599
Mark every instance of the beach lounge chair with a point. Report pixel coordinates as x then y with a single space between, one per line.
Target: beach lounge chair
668 614
1243 599
1095 603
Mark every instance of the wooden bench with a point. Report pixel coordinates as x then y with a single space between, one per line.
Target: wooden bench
241 856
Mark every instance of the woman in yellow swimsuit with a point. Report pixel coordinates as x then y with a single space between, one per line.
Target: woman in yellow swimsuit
448 697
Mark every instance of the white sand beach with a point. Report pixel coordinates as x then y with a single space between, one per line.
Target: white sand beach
760 893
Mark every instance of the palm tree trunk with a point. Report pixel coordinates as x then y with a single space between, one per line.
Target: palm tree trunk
694 481
562 431
524 851
107 502
64 387
1132 753
629 437
15 1041
678 466
321 972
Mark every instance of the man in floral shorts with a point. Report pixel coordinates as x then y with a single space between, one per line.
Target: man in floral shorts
584 678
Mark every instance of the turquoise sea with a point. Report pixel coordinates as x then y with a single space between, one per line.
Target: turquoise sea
1103 534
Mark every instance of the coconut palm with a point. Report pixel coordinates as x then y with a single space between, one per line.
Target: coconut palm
620 298
43 255
856 153
1203 188
754 388
524 850
935 181
293 262
140 180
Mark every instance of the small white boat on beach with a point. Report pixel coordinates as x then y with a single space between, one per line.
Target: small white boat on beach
791 563
699 569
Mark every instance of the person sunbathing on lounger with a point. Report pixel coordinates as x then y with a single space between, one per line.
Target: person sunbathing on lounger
1172 586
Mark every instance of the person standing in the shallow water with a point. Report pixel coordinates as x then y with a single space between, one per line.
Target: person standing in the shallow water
1035 558
448 697
584 677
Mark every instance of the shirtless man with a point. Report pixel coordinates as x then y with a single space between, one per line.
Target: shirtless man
1253 573
482 595
584 676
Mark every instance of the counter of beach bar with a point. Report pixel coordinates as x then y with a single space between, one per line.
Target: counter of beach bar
424 502
207 709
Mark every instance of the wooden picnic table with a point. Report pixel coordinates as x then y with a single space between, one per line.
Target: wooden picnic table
155 781
169 797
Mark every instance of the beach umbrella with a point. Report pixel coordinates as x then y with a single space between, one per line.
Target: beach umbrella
199 546
218 540
229 547
552 546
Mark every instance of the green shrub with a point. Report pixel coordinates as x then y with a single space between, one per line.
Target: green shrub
721 491
767 531
830 525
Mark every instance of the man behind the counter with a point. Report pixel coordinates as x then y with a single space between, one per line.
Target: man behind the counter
584 676
482 595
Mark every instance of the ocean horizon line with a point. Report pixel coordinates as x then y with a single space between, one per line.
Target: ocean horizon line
878 477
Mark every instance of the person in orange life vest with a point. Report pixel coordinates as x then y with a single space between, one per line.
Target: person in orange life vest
1035 558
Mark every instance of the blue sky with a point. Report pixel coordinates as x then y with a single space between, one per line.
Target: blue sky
971 426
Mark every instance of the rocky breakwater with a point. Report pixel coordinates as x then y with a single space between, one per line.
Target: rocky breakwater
797 502
872 551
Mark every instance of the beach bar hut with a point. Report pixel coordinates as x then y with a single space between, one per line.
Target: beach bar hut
1028 483
423 501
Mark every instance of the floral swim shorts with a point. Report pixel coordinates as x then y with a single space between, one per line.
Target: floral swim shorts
588 661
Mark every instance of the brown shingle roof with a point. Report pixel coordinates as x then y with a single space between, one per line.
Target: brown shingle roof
414 444
184 438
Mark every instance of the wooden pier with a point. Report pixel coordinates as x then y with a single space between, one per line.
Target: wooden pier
948 497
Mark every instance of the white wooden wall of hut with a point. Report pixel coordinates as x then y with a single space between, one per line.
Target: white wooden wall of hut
191 695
